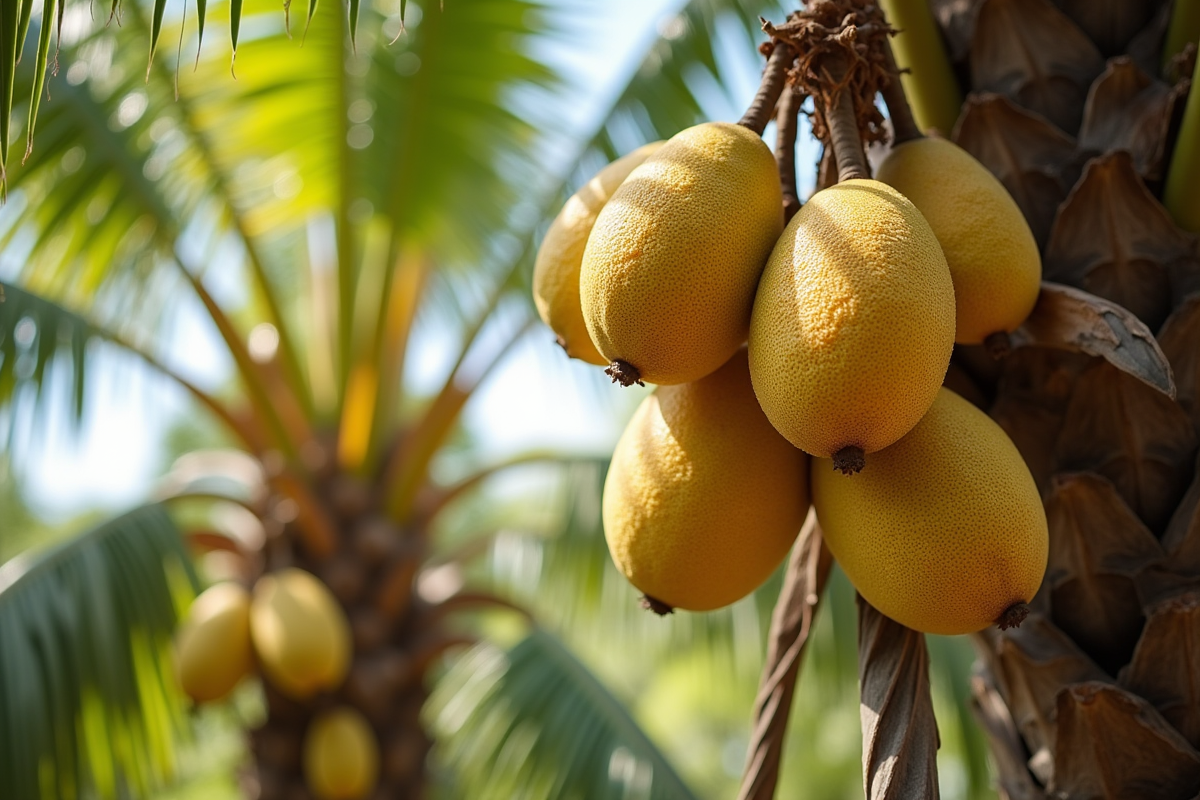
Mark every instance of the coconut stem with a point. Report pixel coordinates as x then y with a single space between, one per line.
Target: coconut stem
785 149
998 344
624 373
657 606
1179 193
844 135
849 460
791 624
1013 616
1183 28
904 126
827 169
774 76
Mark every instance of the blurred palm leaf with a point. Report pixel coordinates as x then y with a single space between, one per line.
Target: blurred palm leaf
85 678
534 723
42 343
33 333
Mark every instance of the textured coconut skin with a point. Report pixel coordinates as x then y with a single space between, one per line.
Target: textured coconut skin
341 756
703 497
991 252
300 633
853 323
214 653
556 270
670 269
945 529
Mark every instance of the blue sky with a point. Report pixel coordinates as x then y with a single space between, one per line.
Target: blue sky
113 460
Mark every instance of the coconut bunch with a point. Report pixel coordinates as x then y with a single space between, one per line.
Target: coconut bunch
338 644
292 630
825 340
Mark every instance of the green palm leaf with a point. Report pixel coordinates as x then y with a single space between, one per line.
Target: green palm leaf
85 679
35 333
534 723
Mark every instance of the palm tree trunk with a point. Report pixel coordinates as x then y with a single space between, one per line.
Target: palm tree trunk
396 636
1070 105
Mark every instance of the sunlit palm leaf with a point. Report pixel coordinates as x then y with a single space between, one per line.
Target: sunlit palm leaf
534 723
100 201
33 332
471 143
10 14
85 680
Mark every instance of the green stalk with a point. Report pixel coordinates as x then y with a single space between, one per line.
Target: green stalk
1184 28
930 85
1180 195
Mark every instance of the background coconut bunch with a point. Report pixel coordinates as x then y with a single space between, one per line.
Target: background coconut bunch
343 693
1075 108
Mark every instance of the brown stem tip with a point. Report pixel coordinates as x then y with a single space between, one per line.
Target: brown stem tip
624 373
1013 616
561 342
998 344
849 460
657 606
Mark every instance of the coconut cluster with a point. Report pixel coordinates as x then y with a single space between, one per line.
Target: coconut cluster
293 631
819 346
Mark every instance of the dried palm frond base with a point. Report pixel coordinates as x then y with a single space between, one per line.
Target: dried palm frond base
1098 693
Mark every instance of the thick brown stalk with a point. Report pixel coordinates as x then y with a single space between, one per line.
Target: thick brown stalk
900 736
827 169
774 76
785 149
844 136
791 624
904 125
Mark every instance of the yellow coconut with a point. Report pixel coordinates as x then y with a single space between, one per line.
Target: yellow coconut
213 650
300 633
341 755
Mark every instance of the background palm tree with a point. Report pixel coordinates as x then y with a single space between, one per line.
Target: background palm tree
356 196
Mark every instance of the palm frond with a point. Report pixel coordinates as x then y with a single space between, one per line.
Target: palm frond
110 209
85 677
91 204
534 723
35 333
